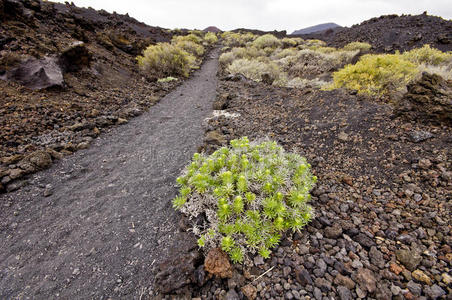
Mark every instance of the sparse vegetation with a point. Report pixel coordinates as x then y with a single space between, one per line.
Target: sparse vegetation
297 63
388 74
250 194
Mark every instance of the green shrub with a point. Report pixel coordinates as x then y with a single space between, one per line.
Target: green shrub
250 194
211 38
291 42
376 74
357 46
427 55
191 47
254 69
164 60
267 41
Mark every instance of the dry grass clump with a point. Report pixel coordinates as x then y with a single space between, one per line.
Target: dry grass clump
240 52
311 63
254 69
302 83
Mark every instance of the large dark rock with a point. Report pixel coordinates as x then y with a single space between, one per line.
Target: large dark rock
37 74
428 98
75 57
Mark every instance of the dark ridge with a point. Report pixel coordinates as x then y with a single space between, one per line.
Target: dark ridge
392 32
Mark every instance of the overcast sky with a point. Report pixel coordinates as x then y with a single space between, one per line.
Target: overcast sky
264 14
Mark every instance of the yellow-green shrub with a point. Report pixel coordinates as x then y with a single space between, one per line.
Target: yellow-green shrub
376 74
323 49
191 47
163 60
267 41
357 46
190 37
210 38
291 42
233 39
427 55
254 69
313 43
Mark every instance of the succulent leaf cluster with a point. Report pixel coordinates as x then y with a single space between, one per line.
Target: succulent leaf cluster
250 193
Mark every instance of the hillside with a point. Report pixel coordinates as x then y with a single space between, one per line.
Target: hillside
316 28
393 32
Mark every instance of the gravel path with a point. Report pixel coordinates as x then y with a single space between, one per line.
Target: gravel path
107 218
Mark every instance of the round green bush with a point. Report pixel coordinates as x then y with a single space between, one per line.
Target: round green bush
249 194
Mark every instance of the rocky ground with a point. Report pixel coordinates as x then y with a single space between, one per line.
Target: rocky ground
392 32
383 225
68 73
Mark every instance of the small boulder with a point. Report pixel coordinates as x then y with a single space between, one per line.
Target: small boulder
41 159
410 259
215 138
366 280
217 263
249 291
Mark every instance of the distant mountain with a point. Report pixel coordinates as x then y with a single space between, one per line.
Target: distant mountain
316 28
212 29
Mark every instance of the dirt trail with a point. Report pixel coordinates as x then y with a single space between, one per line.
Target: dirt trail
109 216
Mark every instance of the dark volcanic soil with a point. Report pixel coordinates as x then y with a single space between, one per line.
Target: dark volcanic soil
383 225
393 32
93 225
